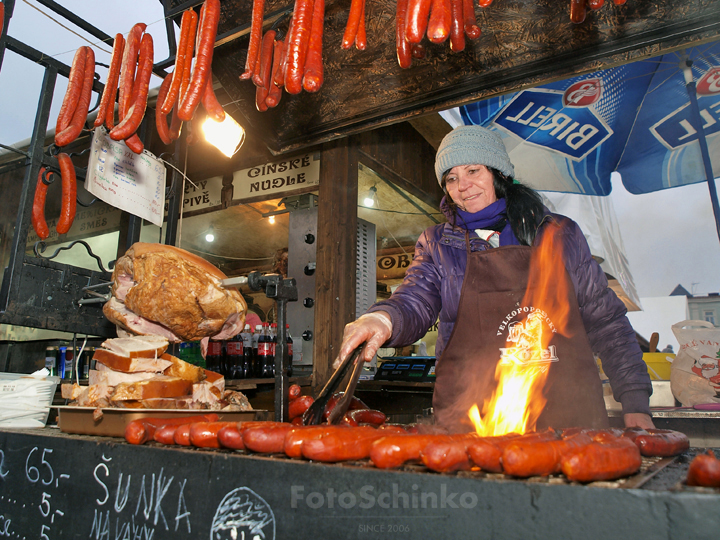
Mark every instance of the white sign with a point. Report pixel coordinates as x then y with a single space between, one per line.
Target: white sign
131 182
277 178
204 194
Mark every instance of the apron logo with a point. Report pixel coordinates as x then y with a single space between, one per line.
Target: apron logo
527 338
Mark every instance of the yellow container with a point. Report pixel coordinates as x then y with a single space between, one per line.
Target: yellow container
658 365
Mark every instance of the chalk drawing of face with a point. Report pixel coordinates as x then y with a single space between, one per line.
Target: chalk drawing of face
243 514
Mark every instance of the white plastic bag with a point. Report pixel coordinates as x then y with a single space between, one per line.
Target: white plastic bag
695 372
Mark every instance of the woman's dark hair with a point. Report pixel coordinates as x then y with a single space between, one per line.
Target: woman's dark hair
524 205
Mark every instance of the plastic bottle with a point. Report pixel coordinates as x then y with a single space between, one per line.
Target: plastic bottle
51 360
234 348
215 358
247 360
265 356
257 366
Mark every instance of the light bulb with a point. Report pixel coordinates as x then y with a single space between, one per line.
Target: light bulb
271 219
369 199
210 237
227 136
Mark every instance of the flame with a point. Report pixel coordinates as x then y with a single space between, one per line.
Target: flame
521 372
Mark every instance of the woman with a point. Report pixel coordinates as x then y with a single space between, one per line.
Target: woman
473 272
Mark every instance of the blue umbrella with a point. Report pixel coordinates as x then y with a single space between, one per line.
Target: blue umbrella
642 120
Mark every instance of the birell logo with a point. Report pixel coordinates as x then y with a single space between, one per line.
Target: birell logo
677 129
565 122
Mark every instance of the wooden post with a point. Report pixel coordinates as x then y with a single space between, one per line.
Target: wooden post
336 253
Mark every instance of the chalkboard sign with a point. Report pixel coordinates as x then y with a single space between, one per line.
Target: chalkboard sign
131 182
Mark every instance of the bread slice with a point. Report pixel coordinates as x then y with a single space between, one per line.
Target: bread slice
160 386
126 364
137 346
113 378
182 369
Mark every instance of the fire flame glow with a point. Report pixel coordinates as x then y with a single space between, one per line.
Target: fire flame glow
521 372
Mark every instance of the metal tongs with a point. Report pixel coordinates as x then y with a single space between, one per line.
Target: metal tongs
314 415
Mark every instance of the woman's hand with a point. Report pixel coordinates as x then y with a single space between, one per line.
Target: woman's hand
374 328
638 420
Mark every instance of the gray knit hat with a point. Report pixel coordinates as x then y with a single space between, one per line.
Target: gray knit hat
472 145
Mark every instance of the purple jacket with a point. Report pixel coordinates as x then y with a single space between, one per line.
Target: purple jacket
433 283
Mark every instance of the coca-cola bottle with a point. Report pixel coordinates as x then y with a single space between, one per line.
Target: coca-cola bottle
266 359
233 357
289 351
214 358
246 336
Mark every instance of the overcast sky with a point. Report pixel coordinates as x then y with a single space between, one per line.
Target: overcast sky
669 236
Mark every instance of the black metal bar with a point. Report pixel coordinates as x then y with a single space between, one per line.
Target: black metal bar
174 197
9 8
695 108
281 364
11 280
77 21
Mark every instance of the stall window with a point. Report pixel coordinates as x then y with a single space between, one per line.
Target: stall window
710 316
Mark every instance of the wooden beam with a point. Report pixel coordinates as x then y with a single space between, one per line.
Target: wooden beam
336 253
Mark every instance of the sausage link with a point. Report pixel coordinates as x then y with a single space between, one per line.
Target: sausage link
175 124
38 208
261 94
298 406
418 13
472 30
361 36
313 71
131 121
393 451
602 461
128 68
256 24
402 47
182 434
187 35
353 22
525 459
450 454
230 437
142 430
595 4
165 434
107 101
160 117
484 3
70 133
134 143
205 434
343 445
69 194
266 439
297 45
438 29
457 26
487 453
295 438
577 11
203 59
211 104
74 89
263 67
294 391
187 61
364 416
704 471
662 443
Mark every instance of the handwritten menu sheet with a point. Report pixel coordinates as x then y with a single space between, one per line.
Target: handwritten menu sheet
131 182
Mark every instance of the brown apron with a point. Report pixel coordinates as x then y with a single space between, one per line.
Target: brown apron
490 317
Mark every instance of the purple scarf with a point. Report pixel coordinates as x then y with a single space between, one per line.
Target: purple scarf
487 218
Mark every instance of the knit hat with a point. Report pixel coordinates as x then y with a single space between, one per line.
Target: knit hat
472 145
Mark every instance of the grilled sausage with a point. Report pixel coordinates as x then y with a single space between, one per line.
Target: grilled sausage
394 450
602 461
134 115
577 11
134 143
353 22
662 443
205 434
211 104
128 68
457 26
261 76
361 36
438 29
487 452
266 439
402 46
472 30
230 437
449 454
298 406
182 435
142 430
294 391
297 44
363 416
540 458
38 209
69 194
418 13
160 117
295 438
342 445
704 471
165 434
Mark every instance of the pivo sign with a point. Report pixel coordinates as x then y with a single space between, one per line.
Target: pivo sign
393 265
